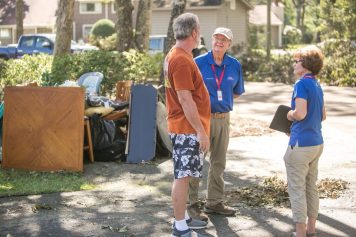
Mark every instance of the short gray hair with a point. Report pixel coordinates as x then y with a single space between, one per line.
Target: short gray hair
184 25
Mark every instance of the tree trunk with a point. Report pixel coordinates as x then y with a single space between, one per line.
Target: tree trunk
124 31
64 26
19 18
318 38
178 8
299 9
302 21
143 23
268 29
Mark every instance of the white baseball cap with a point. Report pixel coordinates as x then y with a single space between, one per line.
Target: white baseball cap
224 31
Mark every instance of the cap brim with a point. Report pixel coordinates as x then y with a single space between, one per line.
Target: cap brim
226 36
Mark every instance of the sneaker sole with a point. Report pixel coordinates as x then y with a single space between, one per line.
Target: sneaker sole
194 227
197 227
193 234
219 213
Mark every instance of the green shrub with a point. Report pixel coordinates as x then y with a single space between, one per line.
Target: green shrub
103 28
308 36
25 70
107 43
340 63
103 35
142 67
115 66
3 66
256 67
291 35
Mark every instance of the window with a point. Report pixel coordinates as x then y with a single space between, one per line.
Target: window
6 36
42 43
90 8
156 44
113 8
27 42
5 33
86 32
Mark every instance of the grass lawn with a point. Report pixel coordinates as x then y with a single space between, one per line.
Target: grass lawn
19 182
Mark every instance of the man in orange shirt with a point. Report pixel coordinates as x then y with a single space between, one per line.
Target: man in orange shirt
188 107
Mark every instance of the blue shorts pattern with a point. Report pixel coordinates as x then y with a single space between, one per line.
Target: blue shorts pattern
187 157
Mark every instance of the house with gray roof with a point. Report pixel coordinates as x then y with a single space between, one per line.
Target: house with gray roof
258 18
40 17
233 14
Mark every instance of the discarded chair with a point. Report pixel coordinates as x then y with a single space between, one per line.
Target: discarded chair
91 81
123 91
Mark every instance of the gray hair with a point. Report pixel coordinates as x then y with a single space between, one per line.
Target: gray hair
184 25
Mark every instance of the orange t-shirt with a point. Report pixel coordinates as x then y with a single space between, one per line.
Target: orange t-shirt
181 73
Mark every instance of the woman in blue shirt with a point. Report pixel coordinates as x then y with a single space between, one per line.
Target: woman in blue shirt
306 140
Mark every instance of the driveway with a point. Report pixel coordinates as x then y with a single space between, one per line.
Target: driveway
134 200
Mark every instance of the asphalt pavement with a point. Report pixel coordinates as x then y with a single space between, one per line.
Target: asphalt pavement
134 200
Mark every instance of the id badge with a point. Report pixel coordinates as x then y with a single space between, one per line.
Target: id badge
220 98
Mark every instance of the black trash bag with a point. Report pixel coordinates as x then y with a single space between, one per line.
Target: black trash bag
109 142
102 132
112 153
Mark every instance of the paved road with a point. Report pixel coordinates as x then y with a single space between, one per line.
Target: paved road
138 196
263 156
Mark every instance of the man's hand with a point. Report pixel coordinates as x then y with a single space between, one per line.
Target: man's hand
204 142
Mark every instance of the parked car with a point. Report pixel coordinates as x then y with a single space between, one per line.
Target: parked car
37 43
156 45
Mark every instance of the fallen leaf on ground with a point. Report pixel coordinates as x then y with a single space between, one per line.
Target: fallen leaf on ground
248 127
39 207
273 192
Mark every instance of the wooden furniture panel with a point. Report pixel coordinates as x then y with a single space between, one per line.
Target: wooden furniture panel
88 140
43 128
123 90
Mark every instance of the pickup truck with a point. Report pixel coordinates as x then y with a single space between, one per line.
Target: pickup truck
37 43
156 45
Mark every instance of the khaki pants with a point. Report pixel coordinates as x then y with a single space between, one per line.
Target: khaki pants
219 141
302 174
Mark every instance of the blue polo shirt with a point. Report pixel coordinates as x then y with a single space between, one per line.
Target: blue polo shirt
232 82
307 132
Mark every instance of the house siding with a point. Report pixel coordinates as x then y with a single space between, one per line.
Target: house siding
81 20
39 16
237 20
274 36
10 38
207 19
84 19
210 18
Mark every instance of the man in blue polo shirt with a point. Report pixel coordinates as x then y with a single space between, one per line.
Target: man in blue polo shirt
222 76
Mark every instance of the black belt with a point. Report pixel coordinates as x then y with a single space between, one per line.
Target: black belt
219 115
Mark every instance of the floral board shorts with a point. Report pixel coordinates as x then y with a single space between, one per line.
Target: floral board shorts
187 157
